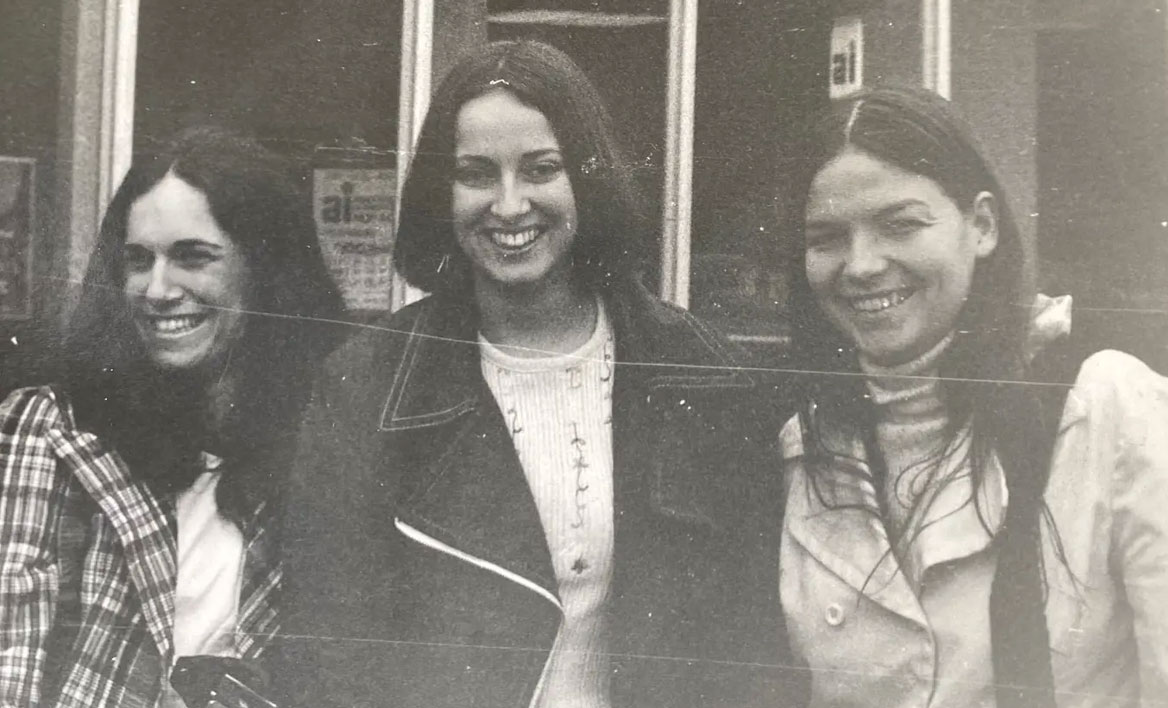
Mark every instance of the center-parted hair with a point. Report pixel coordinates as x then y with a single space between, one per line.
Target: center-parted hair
984 371
920 132
157 419
611 232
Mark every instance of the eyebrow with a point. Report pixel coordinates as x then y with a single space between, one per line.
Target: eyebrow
541 153
884 212
904 204
532 155
181 243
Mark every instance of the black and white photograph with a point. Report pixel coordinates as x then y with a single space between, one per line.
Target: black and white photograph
584 354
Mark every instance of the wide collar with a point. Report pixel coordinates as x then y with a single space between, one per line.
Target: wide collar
832 514
465 489
147 535
435 377
138 520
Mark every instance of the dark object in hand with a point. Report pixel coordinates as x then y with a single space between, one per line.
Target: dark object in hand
219 682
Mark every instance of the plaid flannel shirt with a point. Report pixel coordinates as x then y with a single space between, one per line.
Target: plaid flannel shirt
88 566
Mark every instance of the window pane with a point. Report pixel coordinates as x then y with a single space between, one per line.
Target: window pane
30 47
759 74
299 74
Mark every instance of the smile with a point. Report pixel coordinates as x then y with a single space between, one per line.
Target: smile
173 325
881 301
514 240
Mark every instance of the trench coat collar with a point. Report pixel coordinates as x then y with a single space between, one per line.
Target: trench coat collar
833 517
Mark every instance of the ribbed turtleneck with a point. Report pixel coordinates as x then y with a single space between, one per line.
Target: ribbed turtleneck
910 427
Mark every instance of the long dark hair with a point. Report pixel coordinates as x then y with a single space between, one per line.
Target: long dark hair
611 228
156 420
983 371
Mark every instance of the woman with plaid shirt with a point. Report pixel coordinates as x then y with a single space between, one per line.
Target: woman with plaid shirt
135 497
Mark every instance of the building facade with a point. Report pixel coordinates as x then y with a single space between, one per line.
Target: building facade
1070 98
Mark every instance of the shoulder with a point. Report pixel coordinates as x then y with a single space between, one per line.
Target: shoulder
31 411
1116 403
651 330
28 417
370 341
1114 381
680 322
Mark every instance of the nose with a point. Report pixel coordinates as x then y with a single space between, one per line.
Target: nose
161 286
865 257
510 198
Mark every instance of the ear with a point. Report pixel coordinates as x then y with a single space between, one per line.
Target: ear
983 220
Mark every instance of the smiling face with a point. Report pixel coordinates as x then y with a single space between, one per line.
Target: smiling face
185 279
890 256
513 206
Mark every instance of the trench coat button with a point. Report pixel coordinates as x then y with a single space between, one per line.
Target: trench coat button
834 615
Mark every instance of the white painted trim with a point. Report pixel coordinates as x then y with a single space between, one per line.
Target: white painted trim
99 49
574 18
936 46
417 52
118 87
677 195
430 542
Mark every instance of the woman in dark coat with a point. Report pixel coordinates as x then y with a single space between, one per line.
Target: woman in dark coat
539 485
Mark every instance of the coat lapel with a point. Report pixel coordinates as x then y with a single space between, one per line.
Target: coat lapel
140 523
475 498
832 517
471 495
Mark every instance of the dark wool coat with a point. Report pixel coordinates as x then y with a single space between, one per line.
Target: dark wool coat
417 570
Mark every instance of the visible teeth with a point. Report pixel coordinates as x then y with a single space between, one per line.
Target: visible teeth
514 239
174 325
881 302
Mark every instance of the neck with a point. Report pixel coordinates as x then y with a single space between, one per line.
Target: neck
910 391
923 365
536 321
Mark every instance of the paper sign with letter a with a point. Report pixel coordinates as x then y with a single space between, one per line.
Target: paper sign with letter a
355 221
846 73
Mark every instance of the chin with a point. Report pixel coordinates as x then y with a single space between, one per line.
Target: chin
171 365
520 278
175 362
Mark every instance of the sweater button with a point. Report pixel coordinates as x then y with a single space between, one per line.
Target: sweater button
834 615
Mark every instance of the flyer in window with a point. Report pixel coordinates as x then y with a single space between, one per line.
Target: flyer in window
354 210
17 179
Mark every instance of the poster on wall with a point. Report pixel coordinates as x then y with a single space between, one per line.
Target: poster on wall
354 210
17 179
